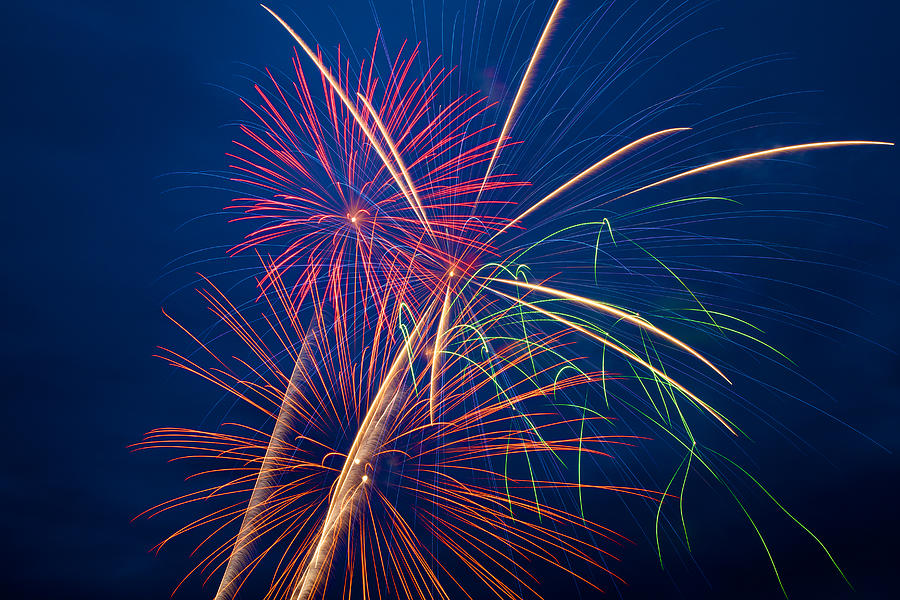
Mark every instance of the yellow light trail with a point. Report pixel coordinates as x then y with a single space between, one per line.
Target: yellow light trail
633 319
345 501
756 155
624 352
346 487
591 170
523 90
436 355
238 559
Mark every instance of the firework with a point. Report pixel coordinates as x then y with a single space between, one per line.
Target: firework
426 410
310 499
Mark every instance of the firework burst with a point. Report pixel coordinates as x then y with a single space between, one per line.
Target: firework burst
424 393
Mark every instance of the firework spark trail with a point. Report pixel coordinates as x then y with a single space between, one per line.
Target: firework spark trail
624 352
453 443
620 314
631 147
285 420
348 486
753 156
524 86
360 121
439 344
403 170
347 498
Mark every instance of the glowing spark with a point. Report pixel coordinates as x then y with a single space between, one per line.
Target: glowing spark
634 320
753 156
591 170
484 370
624 352
523 90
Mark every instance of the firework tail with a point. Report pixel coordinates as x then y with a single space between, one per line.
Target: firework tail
284 421
524 85
627 354
346 501
439 344
396 154
615 312
754 156
597 166
351 485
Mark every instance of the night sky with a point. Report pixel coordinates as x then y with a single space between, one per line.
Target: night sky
111 106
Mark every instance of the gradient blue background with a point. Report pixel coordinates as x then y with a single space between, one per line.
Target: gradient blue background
103 98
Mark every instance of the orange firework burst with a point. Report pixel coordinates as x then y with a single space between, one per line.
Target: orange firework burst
354 470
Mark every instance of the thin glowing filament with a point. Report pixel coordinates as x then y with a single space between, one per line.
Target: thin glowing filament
396 154
345 501
753 156
591 170
634 320
624 352
436 355
346 487
243 543
523 90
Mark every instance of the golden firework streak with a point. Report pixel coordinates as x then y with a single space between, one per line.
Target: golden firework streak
243 544
591 170
436 354
353 480
631 318
753 156
523 90
396 154
624 352
346 500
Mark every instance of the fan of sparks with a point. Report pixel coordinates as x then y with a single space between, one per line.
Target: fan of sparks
424 436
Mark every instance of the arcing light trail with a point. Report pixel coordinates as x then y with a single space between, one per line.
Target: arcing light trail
756 156
620 314
353 478
624 150
523 90
285 421
423 356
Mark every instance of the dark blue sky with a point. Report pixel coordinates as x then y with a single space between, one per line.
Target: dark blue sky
105 100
